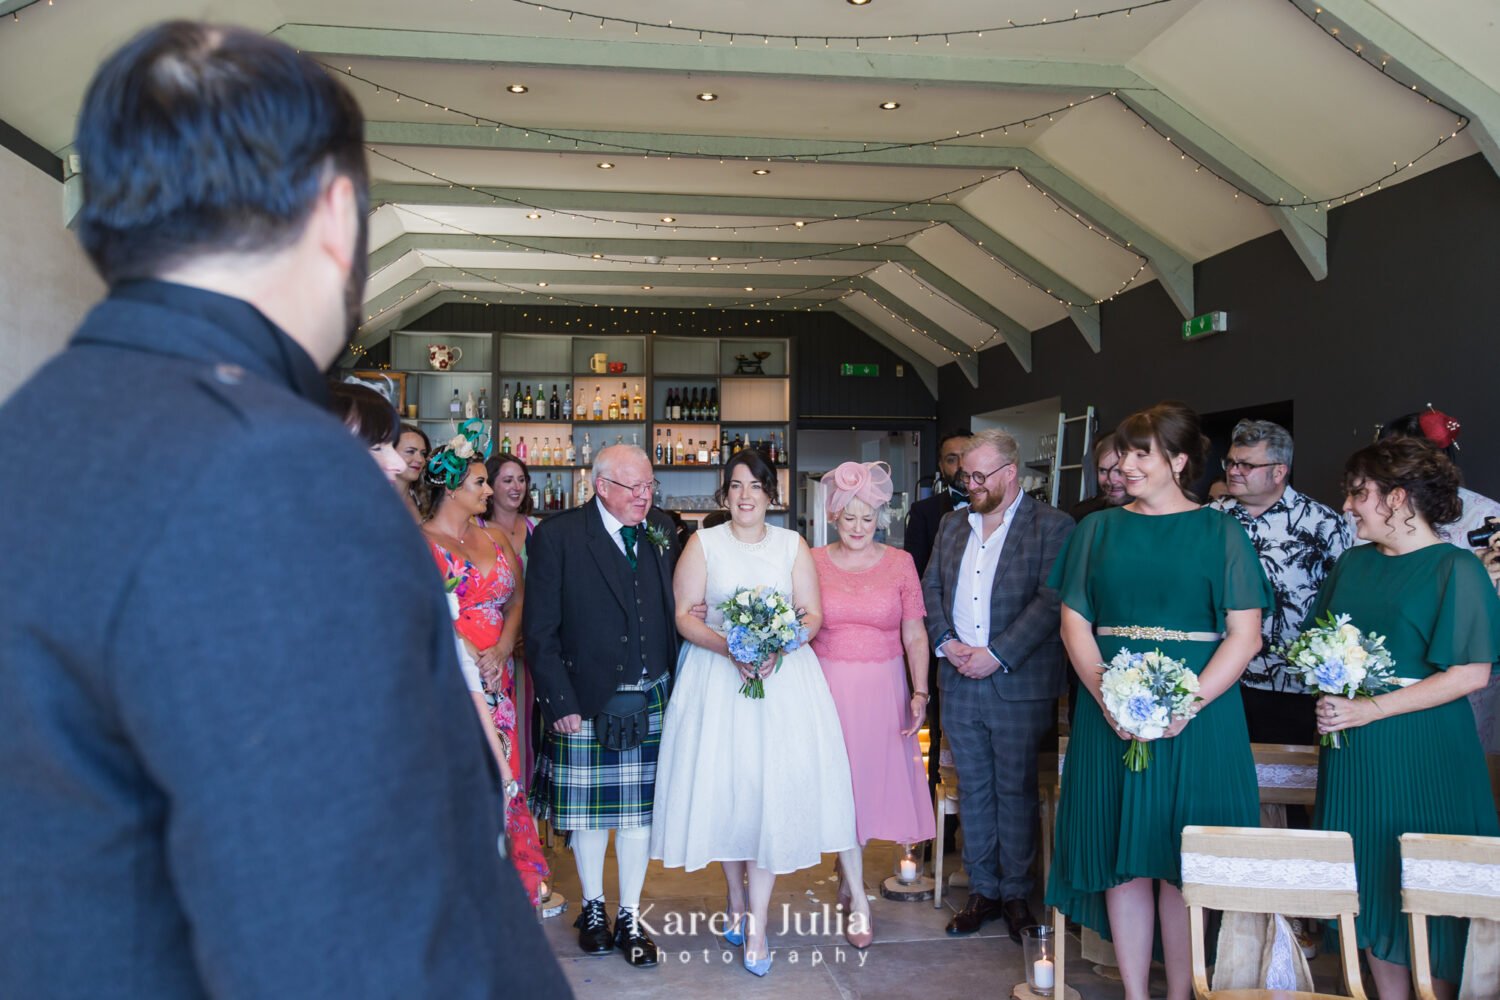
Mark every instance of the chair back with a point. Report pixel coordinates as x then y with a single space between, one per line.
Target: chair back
1450 876
1247 870
1286 773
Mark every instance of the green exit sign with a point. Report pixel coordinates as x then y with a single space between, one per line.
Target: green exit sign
1202 326
867 371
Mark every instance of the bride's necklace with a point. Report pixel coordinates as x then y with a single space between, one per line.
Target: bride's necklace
765 533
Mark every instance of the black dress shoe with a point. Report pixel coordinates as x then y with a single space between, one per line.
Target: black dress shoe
632 941
976 912
593 929
1017 915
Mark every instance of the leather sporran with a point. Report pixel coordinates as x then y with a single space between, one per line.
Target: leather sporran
624 721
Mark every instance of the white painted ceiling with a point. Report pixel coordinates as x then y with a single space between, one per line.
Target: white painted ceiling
1029 173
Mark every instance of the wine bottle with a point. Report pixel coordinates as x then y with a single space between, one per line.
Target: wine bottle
567 402
505 403
541 403
554 405
484 405
658 446
526 405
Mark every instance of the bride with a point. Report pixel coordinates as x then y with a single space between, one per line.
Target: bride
761 786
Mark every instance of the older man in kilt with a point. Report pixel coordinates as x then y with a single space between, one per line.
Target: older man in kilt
601 641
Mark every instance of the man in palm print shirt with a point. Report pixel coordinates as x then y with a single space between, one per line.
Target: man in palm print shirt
1298 540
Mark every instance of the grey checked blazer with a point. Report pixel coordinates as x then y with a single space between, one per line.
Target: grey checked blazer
1024 616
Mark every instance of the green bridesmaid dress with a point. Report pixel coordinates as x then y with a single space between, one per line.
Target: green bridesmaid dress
1176 571
1422 772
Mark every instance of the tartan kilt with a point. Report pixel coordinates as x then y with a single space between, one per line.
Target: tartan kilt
579 785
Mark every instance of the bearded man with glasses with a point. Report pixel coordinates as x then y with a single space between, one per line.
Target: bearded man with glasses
995 625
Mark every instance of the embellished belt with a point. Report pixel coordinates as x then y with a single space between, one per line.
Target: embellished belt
1156 633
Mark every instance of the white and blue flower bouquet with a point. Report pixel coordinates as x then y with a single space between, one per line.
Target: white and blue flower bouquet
761 622
1334 657
1146 693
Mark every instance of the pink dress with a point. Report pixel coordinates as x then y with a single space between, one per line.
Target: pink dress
864 662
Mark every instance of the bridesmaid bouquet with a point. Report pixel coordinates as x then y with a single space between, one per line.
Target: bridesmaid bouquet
1146 693
1333 657
761 622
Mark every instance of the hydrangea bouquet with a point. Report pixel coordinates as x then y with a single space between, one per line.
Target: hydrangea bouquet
1146 693
761 622
1334 657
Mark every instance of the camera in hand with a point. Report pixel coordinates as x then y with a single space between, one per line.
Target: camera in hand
1479 538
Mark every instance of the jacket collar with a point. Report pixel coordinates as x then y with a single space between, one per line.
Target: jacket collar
159 317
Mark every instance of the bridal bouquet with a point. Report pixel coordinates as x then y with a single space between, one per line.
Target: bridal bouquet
761 622
1146 693
1333 657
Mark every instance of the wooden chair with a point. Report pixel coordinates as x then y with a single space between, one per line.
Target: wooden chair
1445 876
1287 774
1246 870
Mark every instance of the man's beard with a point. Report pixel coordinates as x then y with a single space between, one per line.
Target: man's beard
990 501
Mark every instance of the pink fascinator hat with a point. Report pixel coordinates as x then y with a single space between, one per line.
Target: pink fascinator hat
868 482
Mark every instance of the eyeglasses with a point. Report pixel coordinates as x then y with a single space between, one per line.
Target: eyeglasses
639 489
1230 465
978 478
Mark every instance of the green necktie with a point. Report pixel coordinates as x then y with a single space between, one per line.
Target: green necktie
627 533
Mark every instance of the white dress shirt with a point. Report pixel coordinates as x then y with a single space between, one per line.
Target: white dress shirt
613 526
976 578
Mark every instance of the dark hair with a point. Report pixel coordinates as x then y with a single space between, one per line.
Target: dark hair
957 432
421 493
1106 443
1409 425
198 138
439 485
492 466
714 518
366 412
419 432
761 467
1430 480
1173 429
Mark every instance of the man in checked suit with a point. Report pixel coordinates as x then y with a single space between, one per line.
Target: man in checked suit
994 623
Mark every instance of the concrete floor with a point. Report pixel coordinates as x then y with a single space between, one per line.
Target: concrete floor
911 958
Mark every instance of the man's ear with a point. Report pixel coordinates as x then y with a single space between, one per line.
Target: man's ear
336 216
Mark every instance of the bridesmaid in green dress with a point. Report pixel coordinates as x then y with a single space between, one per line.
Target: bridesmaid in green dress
1415 764
1189 579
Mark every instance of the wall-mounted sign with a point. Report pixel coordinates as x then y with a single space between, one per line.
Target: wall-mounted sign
868 371
1202 326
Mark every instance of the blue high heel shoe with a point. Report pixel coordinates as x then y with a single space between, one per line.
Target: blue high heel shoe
735 933
760 966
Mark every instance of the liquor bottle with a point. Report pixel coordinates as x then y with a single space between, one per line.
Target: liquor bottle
588 450
471 408
484 405
536 497
703 452
713 404
541 455
567 402
571 454
505 444
584 492
723 449
554 405
614 407
691 458
505 403
522 452
677 452
658 447
637 404
738 445
525 405
541 403
635 439
557 452
619 439
625 411
776 450
455 406
598 404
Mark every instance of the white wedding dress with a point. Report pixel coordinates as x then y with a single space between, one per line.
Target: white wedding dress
741 779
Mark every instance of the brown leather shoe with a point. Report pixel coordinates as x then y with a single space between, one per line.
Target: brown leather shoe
976 912
1017 915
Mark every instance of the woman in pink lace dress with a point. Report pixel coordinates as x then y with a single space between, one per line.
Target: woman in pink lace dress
871 643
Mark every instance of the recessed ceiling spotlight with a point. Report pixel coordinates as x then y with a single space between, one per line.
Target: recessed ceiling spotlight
597 256
668 218
541 284
760 171
708 96
749 288
521 88
606 165
713 258
858 3
799 223
646 288
533 215
889 105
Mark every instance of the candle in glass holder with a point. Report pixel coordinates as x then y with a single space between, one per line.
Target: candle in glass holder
1041 973
908 869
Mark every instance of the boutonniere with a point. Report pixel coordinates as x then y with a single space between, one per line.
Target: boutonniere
657 537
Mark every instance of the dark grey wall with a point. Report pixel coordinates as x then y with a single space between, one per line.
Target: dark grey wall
1406 316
